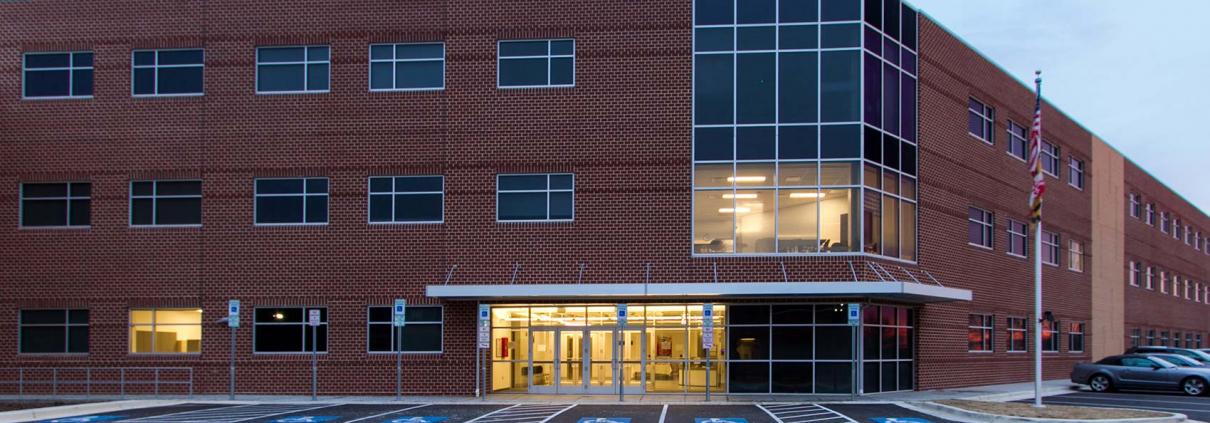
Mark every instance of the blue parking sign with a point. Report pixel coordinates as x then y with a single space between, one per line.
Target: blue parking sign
899 420
603 420
419 419
84 419
719 420
305 419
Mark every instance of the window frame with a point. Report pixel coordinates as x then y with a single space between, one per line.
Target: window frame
394 193
1136 337
256 195
1014 139
1163 281
71 70
155 200
324 322
68 198
1075 256
1056 248
987 230
1072 335
1150 278
1135 206
395 60
547 191
440 322
548 57
131 324
986 328
987 117
1053 155
1013 235
66 325
1134 273
1056 335
306 62
1075 173
1150 214
156 66
1023 328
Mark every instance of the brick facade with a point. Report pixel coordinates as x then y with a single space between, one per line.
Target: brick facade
624 131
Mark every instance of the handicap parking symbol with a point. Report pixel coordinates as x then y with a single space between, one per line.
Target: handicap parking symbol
305 419
719 420
84 419
899 420
604 420
419 419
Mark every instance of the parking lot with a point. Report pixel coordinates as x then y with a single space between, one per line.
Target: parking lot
508 413
1197 408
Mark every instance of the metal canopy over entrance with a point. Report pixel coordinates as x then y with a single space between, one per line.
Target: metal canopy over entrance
910 292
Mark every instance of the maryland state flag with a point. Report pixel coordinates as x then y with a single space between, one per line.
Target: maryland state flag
1035 164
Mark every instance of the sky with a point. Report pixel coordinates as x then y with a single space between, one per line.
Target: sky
1132 72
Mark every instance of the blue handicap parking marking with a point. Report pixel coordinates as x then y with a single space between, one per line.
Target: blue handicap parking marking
84 419
719 420
899 420
418 419
604 420
305 419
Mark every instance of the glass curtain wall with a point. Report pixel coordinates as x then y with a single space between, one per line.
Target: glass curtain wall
887 349
783 138
790 348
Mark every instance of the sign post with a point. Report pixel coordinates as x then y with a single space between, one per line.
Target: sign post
620 336
313 316
484 341
854 314
399 319
708 339
232 323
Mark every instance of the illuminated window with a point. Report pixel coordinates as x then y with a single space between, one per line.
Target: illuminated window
1050 336
166 330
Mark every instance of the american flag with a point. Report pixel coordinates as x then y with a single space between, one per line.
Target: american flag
1035 162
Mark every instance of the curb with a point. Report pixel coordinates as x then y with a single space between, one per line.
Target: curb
1020 395
78 409
963 415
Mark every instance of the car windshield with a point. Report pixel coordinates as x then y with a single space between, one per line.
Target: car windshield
1161 361
1205 358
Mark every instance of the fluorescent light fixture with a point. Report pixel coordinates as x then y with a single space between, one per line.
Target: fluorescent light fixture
744 196
734 210
745 179
806 195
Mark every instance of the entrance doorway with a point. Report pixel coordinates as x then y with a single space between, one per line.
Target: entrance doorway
584 360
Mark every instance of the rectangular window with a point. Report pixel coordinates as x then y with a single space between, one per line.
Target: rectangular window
1151 337
166 330
1018 238
407 199
1075 337
1186 289
1135 206
299 201
407 67
1176 285
165 203
1075 254
1050 248
1150 214
1050 336
1135 335
57 75
1150 277
979 333
1164 222
1135 276
421 334
1017 143
981 226
1164 338
536 63
1188 235
981 121
1050 158
1075 173
1163 282
287 330
1017 335
166 72
1176 340
56 205
535 197
296 69
1176 228
53 331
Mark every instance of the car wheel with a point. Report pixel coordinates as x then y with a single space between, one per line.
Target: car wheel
1194 386
1100 383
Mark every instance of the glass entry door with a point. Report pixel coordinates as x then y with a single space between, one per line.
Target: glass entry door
581 361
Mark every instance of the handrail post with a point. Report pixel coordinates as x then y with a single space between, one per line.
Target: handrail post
191 383
21 383
122 383
88 381
157 382
54 381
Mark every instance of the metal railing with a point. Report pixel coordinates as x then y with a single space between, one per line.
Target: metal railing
56 381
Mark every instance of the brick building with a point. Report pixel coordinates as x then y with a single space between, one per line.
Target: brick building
553 160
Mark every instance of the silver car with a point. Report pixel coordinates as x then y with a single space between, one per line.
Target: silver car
1141 371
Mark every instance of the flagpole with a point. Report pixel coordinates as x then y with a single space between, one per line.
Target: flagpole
1038 272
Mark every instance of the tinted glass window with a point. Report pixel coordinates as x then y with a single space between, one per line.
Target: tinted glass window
165 203
53 331
839 86
66 74
292 201
536 63
56 204
407 66
422 333
167 72
408 199
286 329
292 69
534 197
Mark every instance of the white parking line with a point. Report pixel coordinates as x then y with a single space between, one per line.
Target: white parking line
818 420
664 413
493 412
801 413
234 414
387 413
838 414
523 413
766 410
560 412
